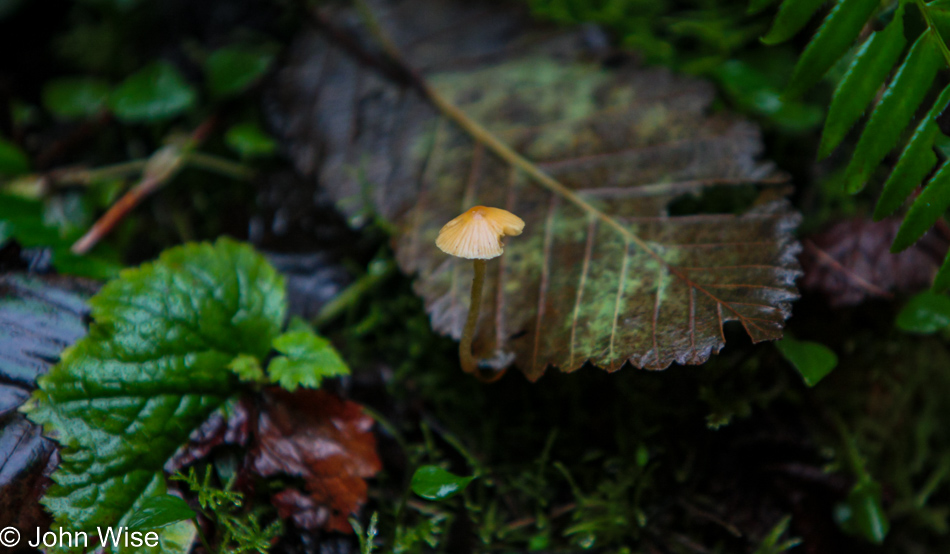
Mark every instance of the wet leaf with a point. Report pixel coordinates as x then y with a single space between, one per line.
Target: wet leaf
154 93
792 16
863 514
229 425
72 98
158 511
231 70
152 369
915 162
27 221
602 272
26 459
926 209
39 317
925 313
836 34
249 140
852 261
813 360
895 110
324 440
307 359
870 67
434 483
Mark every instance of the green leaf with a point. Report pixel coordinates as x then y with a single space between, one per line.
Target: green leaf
868 70
154 93
153 367
751 89
926 209
158 511
791 17
835 36
247 368
812 360
915 162
942 280
306 361
434 483
231 70
863 514
12 160
925 313
73 98
249 140
26 221
894 111
173 538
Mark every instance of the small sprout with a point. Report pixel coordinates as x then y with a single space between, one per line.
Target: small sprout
477 235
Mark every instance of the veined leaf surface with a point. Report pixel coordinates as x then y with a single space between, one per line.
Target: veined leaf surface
602 272
152 368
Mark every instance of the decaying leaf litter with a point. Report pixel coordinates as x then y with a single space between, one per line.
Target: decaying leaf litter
624 459
603 273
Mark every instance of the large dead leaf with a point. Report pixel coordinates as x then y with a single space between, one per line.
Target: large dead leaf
602 273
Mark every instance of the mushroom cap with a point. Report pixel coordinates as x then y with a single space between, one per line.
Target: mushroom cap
477 233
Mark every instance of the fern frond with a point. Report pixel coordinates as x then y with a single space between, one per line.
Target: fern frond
874 59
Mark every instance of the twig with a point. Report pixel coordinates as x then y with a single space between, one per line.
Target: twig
117 212
164 164
83 176
218 165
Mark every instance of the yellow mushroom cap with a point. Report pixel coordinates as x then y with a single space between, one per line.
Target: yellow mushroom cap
477 233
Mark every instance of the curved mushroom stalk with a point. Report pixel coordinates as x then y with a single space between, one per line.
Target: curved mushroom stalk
477 235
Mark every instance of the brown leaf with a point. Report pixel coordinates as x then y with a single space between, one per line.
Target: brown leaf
324 440
602 272
227 425
852 261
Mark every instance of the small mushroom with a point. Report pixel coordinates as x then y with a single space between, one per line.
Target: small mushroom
477 235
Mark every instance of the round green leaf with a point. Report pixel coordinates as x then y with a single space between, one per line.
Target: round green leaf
158 511
231 70
926 313
73 98
435 483
12 160
249 140
154 93
812 360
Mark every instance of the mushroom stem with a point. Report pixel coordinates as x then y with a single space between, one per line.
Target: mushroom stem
469 363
